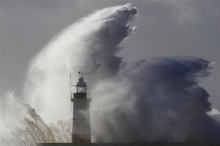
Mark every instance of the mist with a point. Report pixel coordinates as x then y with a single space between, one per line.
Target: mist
153 100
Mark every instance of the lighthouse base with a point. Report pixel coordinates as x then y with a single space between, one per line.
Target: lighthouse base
81 138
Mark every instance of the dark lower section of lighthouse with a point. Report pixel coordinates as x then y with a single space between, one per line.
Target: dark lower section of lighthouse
81 138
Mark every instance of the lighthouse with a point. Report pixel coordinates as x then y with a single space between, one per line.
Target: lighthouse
81 129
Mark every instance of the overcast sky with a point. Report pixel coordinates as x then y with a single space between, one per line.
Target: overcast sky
165 28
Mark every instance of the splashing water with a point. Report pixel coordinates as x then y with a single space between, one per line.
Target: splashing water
148 101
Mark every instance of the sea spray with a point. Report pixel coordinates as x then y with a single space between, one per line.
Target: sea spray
163 102
90 45
47 85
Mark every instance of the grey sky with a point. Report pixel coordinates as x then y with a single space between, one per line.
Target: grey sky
165 28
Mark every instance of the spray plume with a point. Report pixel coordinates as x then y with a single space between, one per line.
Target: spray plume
148 101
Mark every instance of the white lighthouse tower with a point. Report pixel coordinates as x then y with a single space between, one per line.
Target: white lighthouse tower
81 130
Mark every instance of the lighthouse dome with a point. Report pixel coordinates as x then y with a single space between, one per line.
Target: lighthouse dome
81 82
